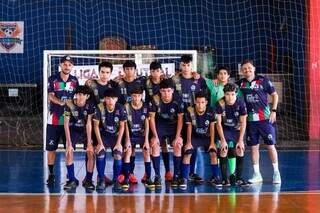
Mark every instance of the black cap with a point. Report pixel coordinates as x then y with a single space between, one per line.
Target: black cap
66 58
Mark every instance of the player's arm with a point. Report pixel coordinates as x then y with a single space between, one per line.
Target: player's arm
212 135
98 135
179 125
152 123
66 122
89 130
55 100
243 125
220 131
122 125
146 134
275 99
127 133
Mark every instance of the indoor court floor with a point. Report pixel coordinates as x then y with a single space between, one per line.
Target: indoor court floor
23 188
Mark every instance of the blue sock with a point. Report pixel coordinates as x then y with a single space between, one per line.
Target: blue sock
89 175
176 165
156 165
147 166
132 164
117 164
193 160
126 167
70 170
185 170
215 170
101 164
86 160
166 160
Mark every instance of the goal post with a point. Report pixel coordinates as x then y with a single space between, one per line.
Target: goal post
91 58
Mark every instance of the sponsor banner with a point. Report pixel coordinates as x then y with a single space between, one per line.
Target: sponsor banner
86 72
11 36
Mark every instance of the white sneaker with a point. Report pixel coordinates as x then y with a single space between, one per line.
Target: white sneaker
256 178
276 177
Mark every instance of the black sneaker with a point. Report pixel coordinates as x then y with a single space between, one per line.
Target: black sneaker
71 184
241 182
88 184
232 179
125 184
175 181
157 181
215 181
149 183
117 187
182 183
193 177
101 185
108 181
226 183
51 179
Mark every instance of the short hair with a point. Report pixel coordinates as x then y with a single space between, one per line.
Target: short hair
110 92
137 90
229 87
155 65
129 63
82 89
166 83
246 61
223 68
201 94
105 64
186 59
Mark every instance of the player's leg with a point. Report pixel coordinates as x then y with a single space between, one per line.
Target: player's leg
239 152
132 177
54 134
185 166
117 162
224 166
126 167
89 160
232 160
166 159
269 137
177 159
101 165
253 141
155 157
147 166
215 179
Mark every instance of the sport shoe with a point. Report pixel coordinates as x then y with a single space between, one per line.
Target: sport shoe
133 179
157 181
215 181
88 184
117 186
276 177
226 183
101 185
256 178
193 177
241 182
71 184
175 181
144 178
183 183
120 178
125 184
149 183
51 179
232 179
168 176
108 181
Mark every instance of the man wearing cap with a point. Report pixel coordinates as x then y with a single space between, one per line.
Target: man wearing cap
61 87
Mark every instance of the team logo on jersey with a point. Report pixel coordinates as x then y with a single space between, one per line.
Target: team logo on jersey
145 110
10 35
193 88
116 119
143 117
207 122
172 110
85 113
75 113
270 137
236 113
224 113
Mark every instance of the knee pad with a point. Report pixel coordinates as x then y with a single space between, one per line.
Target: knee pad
232 153
212 150
189 151
101 154
116 153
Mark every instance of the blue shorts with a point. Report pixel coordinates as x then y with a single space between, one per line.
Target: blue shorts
78 137
54 134
137 140
166 139
200 142
231 135
263 129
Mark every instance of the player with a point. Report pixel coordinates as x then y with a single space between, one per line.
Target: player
109 126
138 130
61 87
78 126
200 121
166 120
186 85
231 125
261 120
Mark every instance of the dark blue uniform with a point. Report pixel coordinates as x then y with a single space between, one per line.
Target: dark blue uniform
127 87
98 90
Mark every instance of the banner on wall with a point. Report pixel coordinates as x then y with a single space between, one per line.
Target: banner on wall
86 72
11 36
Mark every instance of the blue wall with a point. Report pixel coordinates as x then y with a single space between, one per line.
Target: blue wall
236 29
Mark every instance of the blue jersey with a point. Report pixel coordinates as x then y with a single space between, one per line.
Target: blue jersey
231 114
256 97
110 121
63 90
136 119
98 90
127 87
151 89
166 115
200 122
78 115
187 88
